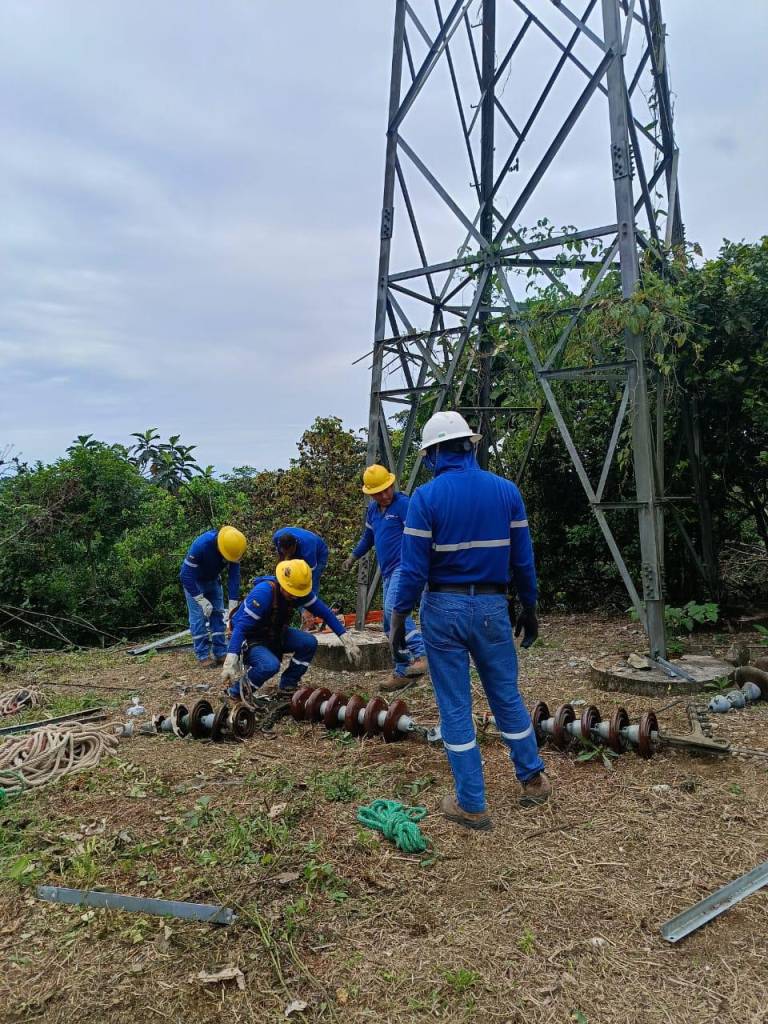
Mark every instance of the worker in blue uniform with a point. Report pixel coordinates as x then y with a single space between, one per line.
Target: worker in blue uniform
294 542
262 633
200 577
465 533
384 525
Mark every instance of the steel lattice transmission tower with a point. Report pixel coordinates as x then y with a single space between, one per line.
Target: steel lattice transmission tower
498 114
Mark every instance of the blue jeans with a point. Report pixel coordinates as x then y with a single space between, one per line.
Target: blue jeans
262 661
456 626
412 635
200 627
318 571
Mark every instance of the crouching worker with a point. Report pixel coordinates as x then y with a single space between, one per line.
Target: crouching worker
262 625
200 576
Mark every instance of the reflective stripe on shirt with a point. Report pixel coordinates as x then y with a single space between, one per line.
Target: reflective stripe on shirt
413 532
518 524
249 612
472 544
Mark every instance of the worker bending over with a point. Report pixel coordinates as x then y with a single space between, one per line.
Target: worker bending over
262 624
384 525
293 542
465 531
200 577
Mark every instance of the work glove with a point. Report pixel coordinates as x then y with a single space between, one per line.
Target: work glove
232 669
353 652
528 625
228 613
205 605
348 563
397 635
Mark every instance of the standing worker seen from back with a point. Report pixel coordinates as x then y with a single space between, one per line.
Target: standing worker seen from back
466 532
200 576
384 525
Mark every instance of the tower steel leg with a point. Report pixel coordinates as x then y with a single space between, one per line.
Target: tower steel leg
650 511
387 217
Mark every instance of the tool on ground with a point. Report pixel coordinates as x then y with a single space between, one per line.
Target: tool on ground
396 822
48 754
87 715
155 644
207 912
202 722
673 671
707 909
13 702
336 710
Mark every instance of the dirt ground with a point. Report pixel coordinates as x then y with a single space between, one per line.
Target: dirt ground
552 917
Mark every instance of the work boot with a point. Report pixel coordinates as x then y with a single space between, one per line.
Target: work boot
395 682
417 667
535 791
480 821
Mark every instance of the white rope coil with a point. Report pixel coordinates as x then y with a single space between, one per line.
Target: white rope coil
14 701
45 755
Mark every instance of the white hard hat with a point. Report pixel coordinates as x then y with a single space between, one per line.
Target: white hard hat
446 426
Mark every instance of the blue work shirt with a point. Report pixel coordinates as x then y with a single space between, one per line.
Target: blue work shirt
465 526
205 563
309 546
384 529
266 611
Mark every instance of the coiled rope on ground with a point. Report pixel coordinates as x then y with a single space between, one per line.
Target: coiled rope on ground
44 756
396 822
14 701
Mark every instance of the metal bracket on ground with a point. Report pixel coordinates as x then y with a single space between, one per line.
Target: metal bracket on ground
207 912
728 896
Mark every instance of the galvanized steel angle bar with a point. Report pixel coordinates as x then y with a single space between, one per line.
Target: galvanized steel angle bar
629 14
554 147
559 347
566 50
544 93
465 131
580 24
420 28
715 904
578 465
443 36
443 193
617 425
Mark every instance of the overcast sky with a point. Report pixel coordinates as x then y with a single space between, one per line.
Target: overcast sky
191 194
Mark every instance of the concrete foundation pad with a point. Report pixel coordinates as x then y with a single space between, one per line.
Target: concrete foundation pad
373 645
613 673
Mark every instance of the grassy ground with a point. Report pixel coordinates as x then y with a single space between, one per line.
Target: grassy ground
552 917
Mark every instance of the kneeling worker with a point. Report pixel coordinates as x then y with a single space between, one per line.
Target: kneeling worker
384 524
465 531
200 578
262 624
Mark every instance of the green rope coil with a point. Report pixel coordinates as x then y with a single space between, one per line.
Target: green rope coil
396 823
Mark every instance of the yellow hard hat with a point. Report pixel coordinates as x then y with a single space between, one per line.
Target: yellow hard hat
295 576
231 543
377 478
